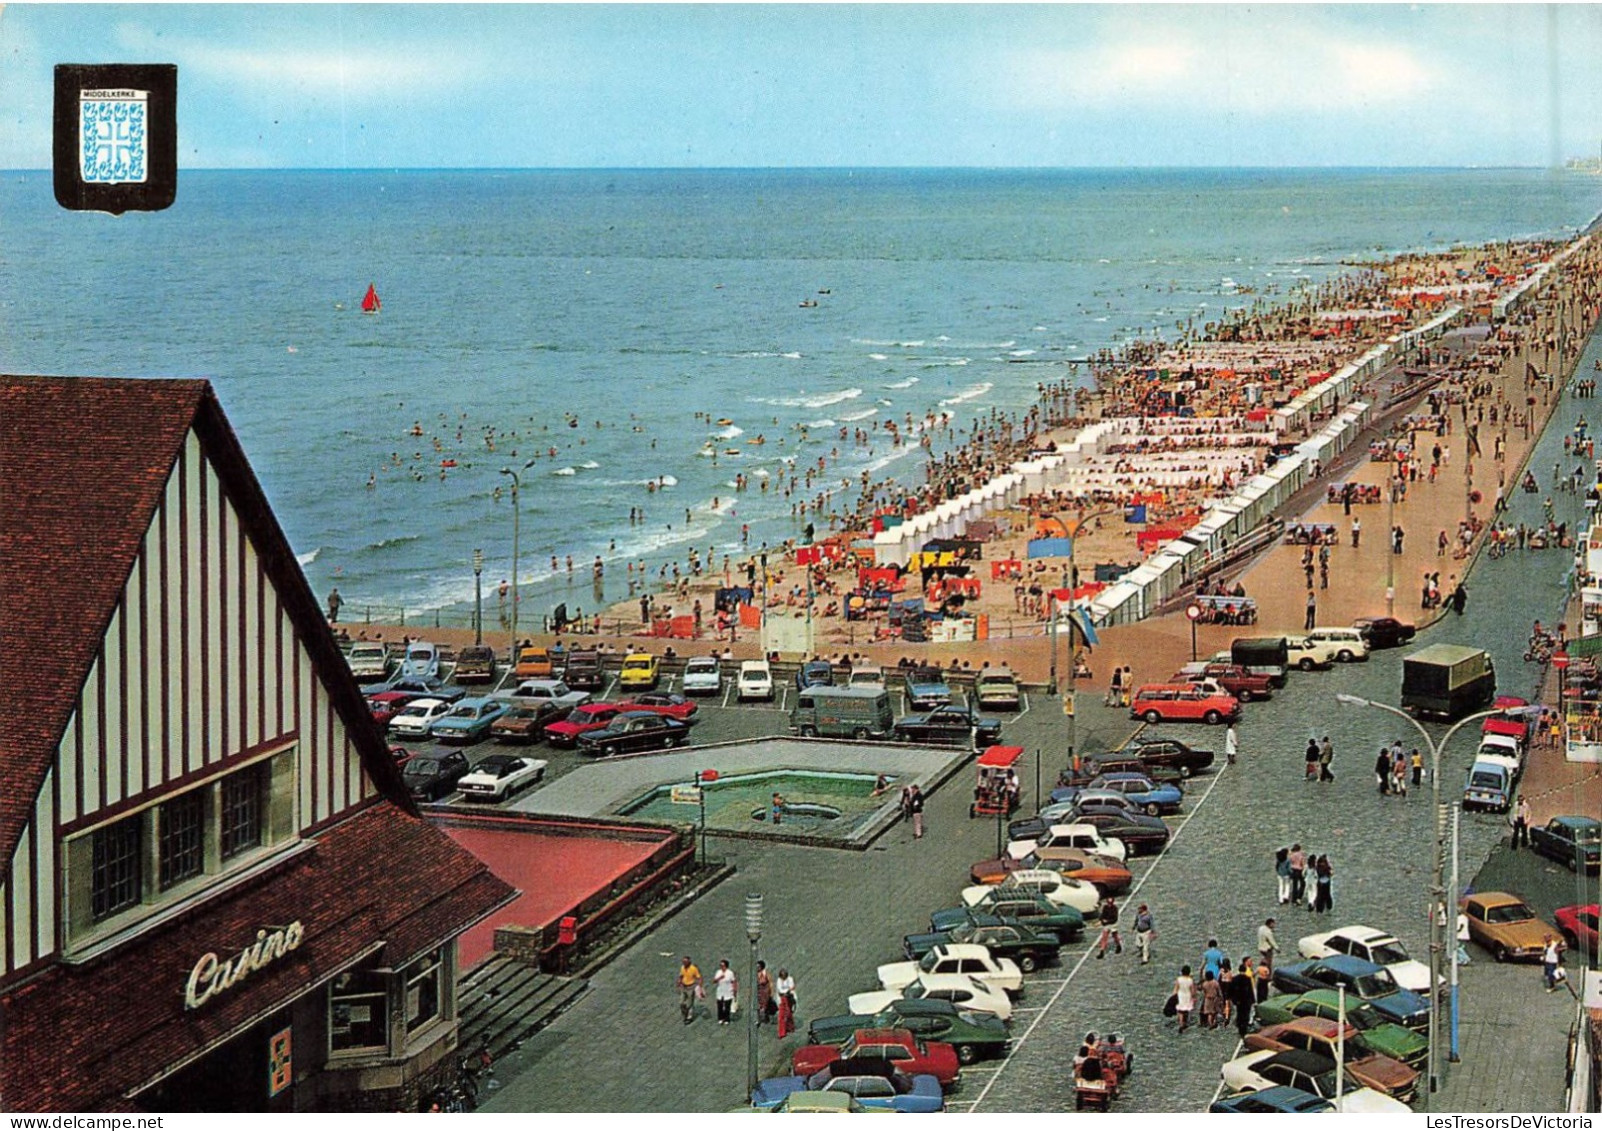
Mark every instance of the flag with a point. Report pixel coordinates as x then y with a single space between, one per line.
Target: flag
1086 629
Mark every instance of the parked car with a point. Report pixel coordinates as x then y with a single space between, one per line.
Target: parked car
1042 883
1579 926
1028 948
1109 875
1375 946
1310 1072
1574 842
475 663
417 718
663 703
1182 703
875 1085
754 681
1154 799
368 660
584 670
1234 679
469 720
996 689
1314 1034
1384 632
1309 655
534 661
955 958
421 661
703 675
634 731
927 689
1272 1101
585 717
524 722
1364 981
1142 835
641 672
962 991
952 724
499 776
814 673
387 704
1376 1032
1083 771
548 693
1504 925
974 1036
1076 835
428 777
1067 802
870 676
1187 760
401 755
898 1046
1348 643
1018 909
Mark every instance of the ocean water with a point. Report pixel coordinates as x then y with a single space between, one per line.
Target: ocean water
597 313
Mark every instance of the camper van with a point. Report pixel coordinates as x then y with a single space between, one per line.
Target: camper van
842 712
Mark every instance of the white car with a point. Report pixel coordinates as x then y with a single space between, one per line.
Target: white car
547 693
755 680
1373 946
959 989
1309 654
975 961
1087 837
867 676
1054 887
703 675
1348 643
418 717
368 660
499 776
1258 1071
1502 749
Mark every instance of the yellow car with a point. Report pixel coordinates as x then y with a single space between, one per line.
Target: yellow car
1504 925
640 670
534 662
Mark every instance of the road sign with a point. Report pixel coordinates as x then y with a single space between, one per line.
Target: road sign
1194 612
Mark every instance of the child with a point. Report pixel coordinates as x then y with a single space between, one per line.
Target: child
1212 1000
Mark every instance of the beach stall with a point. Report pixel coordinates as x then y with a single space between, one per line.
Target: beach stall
1117 604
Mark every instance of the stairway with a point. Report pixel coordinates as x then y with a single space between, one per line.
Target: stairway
503 1001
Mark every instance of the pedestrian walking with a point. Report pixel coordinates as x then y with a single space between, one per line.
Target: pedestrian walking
1418 767
1231 745
784 987
1298 870
1212 1002
1382 770
917 813
1312 608
1115 692
1184 997
1399 775
1264 983
767 1005
1323 885
1521 823
1551 963
688 981
1267 944
1145 931
1226 979
1326 755
1212 959
334 602
1282 874
1108 917
1357 533
1310 757
1243 996
725 989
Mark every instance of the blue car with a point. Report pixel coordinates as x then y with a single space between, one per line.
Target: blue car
874 1083
1364 980
814 673
1282 1100
927 689
469 721
1140 791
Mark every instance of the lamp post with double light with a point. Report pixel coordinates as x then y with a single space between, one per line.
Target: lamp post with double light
753 931
1437 864
478 597
517 511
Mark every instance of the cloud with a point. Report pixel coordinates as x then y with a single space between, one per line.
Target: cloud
1209 63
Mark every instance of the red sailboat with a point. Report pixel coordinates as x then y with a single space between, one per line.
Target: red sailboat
370 301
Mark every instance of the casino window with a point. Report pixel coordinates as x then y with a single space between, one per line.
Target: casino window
116 880
181 825
358 1012
423 990
243 807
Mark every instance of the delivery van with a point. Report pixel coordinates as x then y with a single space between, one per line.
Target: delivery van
1262 655
1447 681
842 712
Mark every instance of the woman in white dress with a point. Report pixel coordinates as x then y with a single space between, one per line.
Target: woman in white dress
1185 992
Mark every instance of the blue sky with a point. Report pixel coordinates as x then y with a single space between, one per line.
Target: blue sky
387 86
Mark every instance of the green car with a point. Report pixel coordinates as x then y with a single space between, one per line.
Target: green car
1033 913
1376 1034
1027 947
975 1036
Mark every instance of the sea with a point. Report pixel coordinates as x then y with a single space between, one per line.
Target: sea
631 335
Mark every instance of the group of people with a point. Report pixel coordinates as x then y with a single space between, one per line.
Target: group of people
1393 768
775 997
1226 992
1291 868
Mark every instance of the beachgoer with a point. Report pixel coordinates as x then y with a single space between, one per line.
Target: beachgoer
688 981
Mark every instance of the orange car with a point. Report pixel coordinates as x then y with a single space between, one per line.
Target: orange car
1318 1035
1109 875
1184 702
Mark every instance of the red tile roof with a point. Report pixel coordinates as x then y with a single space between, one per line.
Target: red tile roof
80 1038
83 462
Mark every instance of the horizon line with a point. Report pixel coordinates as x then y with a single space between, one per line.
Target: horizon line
46 170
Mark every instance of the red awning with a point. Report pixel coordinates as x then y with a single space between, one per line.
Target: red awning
1001 757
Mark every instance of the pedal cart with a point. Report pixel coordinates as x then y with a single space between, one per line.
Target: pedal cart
995 794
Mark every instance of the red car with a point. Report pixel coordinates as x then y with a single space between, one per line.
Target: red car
387 704
1578 924
1242 684
663 703
584 717
401 755
1182 702
898 1046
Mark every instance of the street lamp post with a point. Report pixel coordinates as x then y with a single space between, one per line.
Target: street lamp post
478 597
1069 704
753 931
1437 864
517 512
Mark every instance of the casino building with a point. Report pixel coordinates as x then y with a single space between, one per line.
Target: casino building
215 893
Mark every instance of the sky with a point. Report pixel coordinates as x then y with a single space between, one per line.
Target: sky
816 85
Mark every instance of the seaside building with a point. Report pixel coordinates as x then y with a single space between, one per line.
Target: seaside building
216 894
